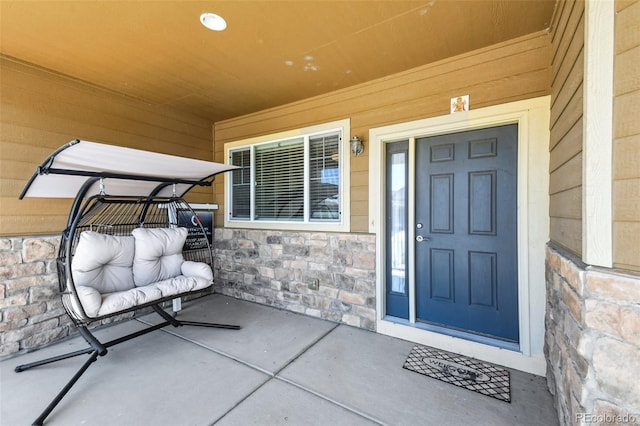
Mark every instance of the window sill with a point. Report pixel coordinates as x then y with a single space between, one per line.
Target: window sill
343 226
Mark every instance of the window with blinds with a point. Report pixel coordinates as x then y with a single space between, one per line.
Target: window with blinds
293 180
324 177
241 184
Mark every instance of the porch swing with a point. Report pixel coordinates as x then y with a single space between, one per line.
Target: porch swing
131 241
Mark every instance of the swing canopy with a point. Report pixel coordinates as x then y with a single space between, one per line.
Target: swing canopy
125 171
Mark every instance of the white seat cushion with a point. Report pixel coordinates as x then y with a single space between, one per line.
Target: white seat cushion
157 254
96 304
181 284
115 302
103 262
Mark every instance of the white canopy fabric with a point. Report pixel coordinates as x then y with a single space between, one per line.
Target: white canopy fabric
128 171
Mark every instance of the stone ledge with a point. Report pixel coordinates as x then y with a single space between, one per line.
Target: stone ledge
614 287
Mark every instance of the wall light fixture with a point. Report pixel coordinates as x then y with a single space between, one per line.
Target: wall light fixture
357 146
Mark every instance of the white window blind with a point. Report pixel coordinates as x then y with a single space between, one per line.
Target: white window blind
280 181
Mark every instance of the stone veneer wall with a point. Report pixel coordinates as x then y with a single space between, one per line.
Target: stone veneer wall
31 313
275 268
269 267
592 342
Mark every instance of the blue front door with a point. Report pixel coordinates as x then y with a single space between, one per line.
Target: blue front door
466 274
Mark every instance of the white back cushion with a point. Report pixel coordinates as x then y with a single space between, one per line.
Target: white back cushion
158 254
103 262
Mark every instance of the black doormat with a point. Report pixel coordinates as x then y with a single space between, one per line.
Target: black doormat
461 371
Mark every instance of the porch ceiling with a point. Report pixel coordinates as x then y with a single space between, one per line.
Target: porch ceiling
272 53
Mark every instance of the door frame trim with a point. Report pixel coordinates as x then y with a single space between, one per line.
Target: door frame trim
532 117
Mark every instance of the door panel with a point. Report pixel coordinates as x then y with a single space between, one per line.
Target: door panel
466 231
442 275
441 220
482 279
482 203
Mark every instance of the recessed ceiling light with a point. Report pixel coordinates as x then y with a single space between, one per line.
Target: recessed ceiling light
213 22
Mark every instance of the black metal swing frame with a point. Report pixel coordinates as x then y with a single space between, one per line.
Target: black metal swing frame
92 212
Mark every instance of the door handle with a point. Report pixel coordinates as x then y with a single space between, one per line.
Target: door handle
420 238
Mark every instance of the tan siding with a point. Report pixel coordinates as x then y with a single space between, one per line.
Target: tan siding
360 208
359 222
566 47
626 145
626 157
565 181
626 73
567 204
360 167
556 28
360 193
510 71
32 95
625 245
626 193
42 111
568 85
567 176
570 114
626 108
567 232
360 178
627 25
570 147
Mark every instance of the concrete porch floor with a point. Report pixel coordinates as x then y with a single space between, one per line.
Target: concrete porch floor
280 369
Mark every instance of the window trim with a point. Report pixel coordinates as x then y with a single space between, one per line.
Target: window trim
344 225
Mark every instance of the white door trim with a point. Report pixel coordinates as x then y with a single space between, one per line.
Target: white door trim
532 117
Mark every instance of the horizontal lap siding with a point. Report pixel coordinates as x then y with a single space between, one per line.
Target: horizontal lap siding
626 148
565 182
510 71
41 111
